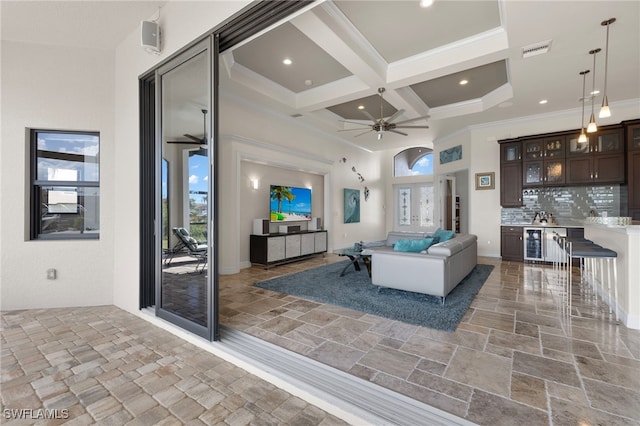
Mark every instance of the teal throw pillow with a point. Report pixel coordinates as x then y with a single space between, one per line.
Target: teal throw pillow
415 246
441 235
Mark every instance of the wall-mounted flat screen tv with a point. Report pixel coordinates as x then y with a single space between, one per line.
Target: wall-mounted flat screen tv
289 203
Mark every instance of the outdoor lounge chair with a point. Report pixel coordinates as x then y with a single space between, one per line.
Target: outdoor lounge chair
193 247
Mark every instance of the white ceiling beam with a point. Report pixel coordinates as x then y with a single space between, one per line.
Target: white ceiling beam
243 75
472 106
477 50
332 32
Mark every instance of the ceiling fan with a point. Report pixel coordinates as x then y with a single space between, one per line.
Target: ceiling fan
195 140
380 125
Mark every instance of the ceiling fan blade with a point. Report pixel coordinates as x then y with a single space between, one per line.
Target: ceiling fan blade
353 122
369 116
363 133
186 142
413 119
400 133
348 130
198 140
396 115
412 127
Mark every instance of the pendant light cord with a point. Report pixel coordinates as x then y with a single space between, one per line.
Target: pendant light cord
606 60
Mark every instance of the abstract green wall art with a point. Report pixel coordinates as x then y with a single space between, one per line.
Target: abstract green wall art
351 205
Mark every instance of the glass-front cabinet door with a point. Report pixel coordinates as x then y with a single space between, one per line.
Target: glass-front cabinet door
633 137
554 147
554 172
578 148
533 149
532 171
510 152
609 141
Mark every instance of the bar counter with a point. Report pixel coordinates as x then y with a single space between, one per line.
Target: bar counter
625 240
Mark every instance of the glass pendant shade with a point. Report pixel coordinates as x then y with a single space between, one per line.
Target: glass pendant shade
583 137
592 127
605 111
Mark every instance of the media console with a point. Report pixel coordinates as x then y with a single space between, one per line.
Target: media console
275 249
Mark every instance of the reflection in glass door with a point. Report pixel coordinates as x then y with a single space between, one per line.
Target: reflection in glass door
184 290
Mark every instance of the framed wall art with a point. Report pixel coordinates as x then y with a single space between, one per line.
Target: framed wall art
485 180
351 205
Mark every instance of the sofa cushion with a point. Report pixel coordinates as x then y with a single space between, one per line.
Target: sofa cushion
415 245
442 235
394 236
453 245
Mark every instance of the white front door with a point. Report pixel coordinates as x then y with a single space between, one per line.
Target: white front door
414 207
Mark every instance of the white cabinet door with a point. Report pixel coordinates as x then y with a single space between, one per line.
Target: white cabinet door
321 242
292 246
307 244
275 249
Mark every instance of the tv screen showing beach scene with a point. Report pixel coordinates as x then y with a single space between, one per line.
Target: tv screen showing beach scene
289 203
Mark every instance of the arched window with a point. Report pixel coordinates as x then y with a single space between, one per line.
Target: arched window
413 162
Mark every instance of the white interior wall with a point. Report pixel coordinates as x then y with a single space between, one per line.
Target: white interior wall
289 144
52 87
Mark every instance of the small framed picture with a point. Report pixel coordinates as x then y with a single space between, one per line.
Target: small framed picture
485 180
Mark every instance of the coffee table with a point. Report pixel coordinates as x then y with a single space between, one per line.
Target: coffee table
355 256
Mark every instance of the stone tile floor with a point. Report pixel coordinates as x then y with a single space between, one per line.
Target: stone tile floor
516 358
102 365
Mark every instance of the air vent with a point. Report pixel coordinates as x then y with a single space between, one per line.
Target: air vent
536 49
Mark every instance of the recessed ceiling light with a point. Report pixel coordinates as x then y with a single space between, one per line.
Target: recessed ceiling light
463 82
287 61
308 82
543 101
360 106
426 3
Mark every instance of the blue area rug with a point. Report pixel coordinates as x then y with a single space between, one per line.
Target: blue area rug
355 291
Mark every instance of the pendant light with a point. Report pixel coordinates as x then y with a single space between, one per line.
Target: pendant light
592 127
604 111
583 135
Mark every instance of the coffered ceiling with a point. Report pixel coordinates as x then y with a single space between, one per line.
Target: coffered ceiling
342 52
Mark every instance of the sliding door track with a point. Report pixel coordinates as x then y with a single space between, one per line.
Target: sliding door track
363 400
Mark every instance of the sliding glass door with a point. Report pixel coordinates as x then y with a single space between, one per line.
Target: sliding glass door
185 235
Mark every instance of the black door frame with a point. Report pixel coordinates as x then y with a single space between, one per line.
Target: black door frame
236 29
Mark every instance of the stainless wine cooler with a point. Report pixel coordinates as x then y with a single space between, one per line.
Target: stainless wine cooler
539 243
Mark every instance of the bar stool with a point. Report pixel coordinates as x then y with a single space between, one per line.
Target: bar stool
594 257
573 248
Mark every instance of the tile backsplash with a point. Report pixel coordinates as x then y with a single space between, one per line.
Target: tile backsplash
572 202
